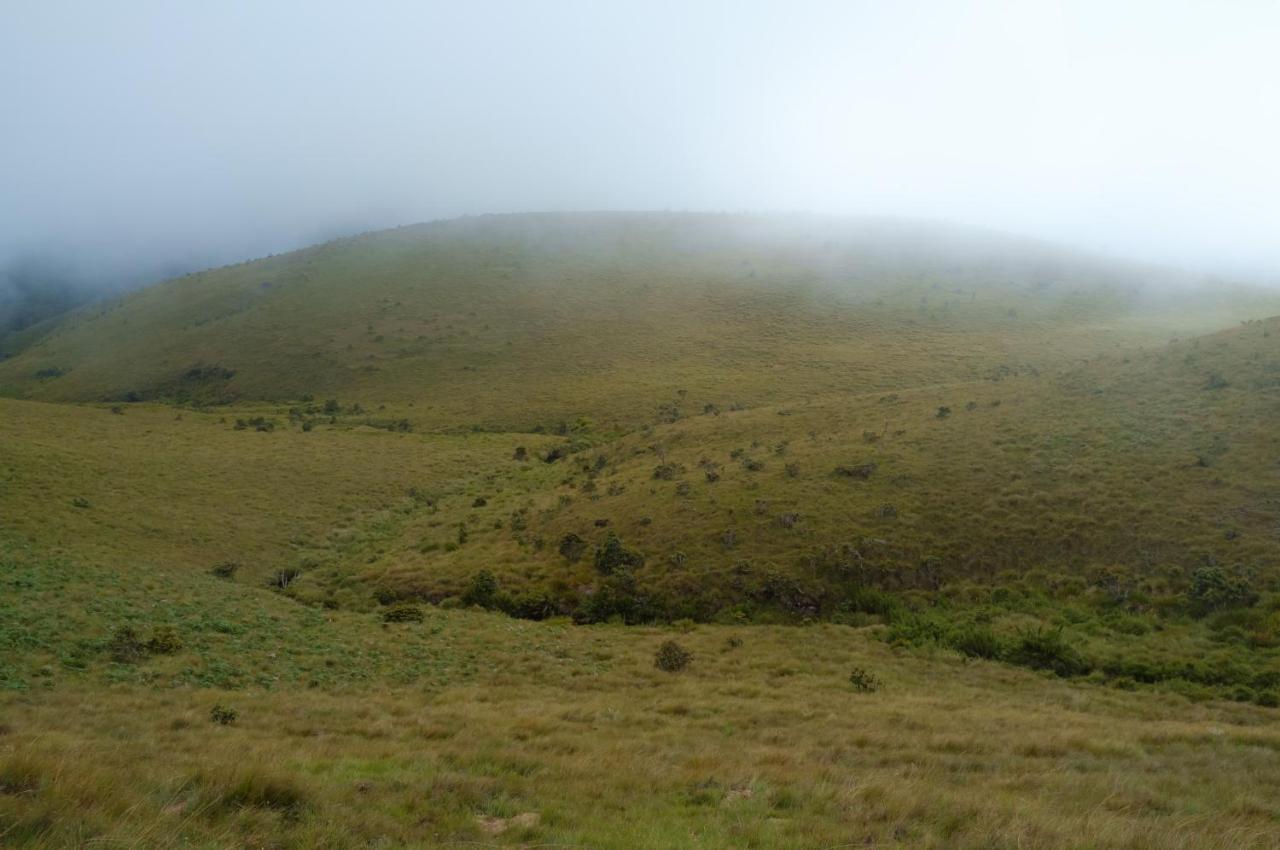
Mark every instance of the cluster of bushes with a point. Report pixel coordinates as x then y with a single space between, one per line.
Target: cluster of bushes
126 646
257 423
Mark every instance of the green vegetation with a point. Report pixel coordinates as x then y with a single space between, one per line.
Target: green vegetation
799 520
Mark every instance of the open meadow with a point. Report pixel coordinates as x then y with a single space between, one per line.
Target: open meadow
645 530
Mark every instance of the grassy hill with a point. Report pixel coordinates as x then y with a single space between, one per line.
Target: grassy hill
1033 496
517 321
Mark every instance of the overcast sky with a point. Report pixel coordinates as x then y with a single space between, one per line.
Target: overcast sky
139 134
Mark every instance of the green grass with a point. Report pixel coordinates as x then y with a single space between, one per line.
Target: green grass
1065 588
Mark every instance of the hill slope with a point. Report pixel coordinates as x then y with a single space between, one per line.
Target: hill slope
968 550
516 321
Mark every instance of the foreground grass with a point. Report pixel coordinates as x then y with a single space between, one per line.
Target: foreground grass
563 735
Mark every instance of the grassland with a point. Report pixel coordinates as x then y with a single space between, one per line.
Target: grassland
1035 495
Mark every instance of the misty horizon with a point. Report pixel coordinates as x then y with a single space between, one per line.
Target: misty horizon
154 141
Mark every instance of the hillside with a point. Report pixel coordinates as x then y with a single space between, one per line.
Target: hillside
974 543
512 322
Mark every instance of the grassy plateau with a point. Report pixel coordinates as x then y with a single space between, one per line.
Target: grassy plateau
646 531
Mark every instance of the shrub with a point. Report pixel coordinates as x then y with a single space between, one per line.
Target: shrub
612 556
285 577
125 646
482 590
226 569
572 547
943 412
792 470
402 614
1044 649
223 715
616 597
861 470
671 657
164 641
978 642
521 453
80 502
479 502
863 681
665 471
1213 589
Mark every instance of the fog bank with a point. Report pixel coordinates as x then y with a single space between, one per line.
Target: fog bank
148 138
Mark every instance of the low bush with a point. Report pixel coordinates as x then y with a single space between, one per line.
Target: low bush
863 681
1047 649
671 657
223 715
164 641
125 647
612 556
225 569
403 614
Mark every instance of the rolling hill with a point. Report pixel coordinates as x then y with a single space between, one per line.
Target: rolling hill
516 321
911 494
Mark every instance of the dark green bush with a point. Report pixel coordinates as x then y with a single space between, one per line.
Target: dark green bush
225 569
1047 649
223 715
671 657
403 614
1213 589
482 590
612 556
978 642
863 681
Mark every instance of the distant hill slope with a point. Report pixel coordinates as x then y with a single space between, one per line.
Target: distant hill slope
516 321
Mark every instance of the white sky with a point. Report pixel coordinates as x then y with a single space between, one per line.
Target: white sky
144 132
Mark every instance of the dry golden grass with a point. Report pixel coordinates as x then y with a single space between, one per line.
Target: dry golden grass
760 745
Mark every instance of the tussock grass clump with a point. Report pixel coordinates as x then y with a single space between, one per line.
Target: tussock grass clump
1046 649
863 681
403 614
671 657
164 640
223 715
252 788
20 775
225 569
125 647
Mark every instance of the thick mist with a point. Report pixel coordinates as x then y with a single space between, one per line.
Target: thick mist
144 139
